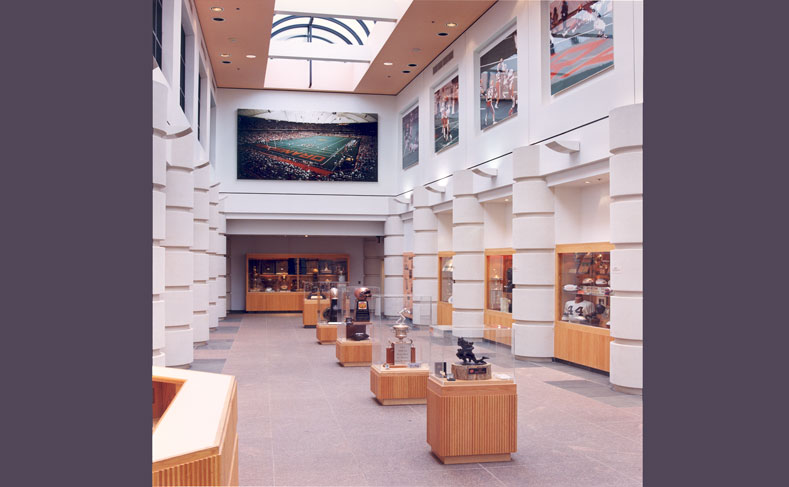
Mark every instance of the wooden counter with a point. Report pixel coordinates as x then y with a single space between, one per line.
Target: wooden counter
399 385
444 313
194 439
275 301
472 421
582 344
497 319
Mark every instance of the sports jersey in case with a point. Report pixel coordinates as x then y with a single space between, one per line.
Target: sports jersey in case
584 308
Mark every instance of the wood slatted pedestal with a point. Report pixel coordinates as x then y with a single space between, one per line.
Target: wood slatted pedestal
399 385
351 353
312 307
194 439
472 421
326 333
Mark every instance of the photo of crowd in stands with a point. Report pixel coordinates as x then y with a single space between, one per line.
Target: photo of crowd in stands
498 82
411 138
307 146
446 114
581 41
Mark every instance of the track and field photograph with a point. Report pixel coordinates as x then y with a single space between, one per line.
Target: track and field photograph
446 115
307 146
498 82
411 138
581 41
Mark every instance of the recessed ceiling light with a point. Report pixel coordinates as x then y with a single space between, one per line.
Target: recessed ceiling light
387 64
405 71
452 24
232 39
218 19
251 56
441 34
225 62
588 182
306 236
416 49
224 54
216 9
412 65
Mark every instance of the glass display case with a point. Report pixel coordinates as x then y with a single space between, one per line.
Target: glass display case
498 282
408 280
399 341
472 357
445 282
289 276
585 294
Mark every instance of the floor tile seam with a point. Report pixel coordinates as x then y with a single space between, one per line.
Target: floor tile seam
640 443
491 474
613 468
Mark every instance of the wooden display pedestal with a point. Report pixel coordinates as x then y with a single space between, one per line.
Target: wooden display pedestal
472 421
399 385
351 353
326 333
309 315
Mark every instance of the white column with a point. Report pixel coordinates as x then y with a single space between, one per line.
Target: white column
179 264
393 265
221 280
425 253
215 260
200 291
373 255
627 348
534 242
159 218
468 243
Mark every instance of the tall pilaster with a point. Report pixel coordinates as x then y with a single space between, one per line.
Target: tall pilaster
425 253
221 280
393 265
373 256
179 264
214 259
626 186
468 243
533 264
159 219
200 291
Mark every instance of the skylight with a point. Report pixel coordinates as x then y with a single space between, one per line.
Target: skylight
330 30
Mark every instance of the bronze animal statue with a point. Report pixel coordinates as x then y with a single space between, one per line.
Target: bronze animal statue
466 354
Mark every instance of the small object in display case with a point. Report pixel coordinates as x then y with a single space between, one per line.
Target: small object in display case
355 331
402 351
499 282
362 294
472 368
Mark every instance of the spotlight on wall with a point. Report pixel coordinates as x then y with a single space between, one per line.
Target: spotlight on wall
486 172
564 146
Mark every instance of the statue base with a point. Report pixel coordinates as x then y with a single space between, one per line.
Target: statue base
471 371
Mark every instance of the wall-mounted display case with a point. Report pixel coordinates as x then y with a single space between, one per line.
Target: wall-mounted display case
408 281
444 308
276 282
498 292
583 304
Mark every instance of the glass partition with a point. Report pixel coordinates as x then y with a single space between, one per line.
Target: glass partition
499 283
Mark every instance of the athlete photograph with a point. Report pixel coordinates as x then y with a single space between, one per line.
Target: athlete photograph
307 146
498 82
446 115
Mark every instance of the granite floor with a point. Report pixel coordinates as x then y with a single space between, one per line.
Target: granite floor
305 420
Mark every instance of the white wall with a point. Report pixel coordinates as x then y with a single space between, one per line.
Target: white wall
444 231
408 235
240 245
582 214
498 225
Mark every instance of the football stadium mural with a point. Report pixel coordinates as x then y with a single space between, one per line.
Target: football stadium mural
582 41
307 146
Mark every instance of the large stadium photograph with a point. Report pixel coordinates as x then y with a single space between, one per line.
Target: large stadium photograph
581 41
307 146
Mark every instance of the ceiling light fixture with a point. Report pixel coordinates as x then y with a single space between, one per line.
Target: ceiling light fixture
387 64
412 65
405 71
440 34
217 9
225 62
452 24
251 56
224 54
588 182
218 19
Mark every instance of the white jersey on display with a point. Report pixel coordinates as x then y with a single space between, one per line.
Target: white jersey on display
584 308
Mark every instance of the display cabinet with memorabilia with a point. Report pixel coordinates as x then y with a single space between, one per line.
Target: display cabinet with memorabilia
398 374
498 293
445 271
472 399
360 310
583 304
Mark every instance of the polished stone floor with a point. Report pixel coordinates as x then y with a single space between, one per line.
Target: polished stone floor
305 420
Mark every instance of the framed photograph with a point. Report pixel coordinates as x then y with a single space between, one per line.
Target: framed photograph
307 146
410 138
581 41
446 115
498 82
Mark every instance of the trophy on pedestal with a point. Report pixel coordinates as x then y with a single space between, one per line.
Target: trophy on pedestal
471 368
362 306
400 352
356 332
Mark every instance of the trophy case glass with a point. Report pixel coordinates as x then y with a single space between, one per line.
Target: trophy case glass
499 283
358 307
400 341
444 305
582 332
472 354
